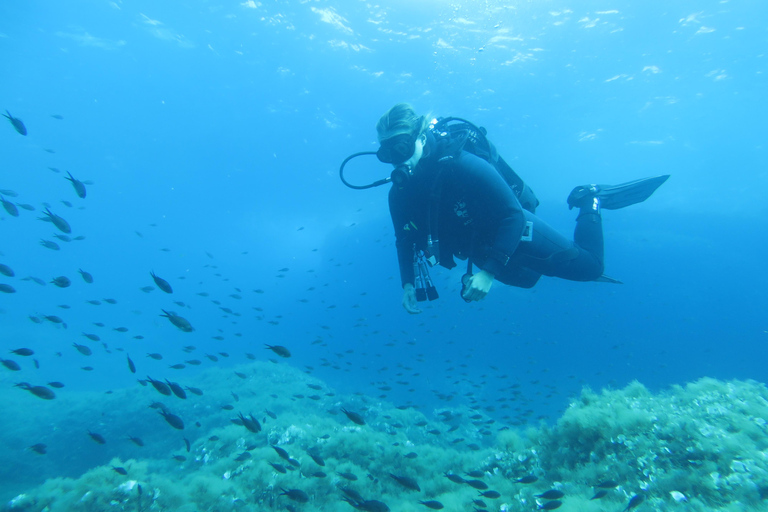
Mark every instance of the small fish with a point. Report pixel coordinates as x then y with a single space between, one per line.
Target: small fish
179 458
317 458
27 207
187 444
9 207
39 391
77 184
87 277
634 501
550 505
97 438
155 356
407 482
6 288
243 456
177 366
490 494
599 494
11 365
59 222
162 284
172 420
92 337
57 116
137 441
434 505
86 351
113 301
347 475
147 289
552 494
23 351
120 470
295 494
131 366
195 391
527 479
176 389
607 484
354 417
18 125
179 321
6 270
477 484
56 384
278 467
279 350
39 448
160 387
454 478
50 245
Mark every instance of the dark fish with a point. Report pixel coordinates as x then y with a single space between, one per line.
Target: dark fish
552 494
155 356
27 207
179 321
9 193
120 470
279 350
318 474
212 357
35 280
53 319
599 494
411 455
131 366
9 207
137 441
177 366
6 270
60 223
147 289
163 285
6 288
607 484
176 389
253 425
407 482
113 301
172 420
270 414
94 302
39 448
16 122
477 484
50 245
56 384
550 505
195 391
23 351
79 185
194 362
454 478
179 458
87 368
39 391
434 505
61 281
92 337
347 475
243 456
354 417
57 116
281 453
161 387
187 444
490 494
527 479
634 501
295 494
86 351
97 438
228 407
317 458
87 277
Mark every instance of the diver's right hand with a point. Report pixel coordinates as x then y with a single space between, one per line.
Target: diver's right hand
409 299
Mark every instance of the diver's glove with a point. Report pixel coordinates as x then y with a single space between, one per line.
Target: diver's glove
476 287
409 299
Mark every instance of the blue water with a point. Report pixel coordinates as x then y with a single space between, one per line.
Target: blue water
210 134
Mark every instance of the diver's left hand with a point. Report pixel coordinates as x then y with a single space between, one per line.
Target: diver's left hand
478 287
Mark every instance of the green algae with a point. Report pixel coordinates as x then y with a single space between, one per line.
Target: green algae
703 446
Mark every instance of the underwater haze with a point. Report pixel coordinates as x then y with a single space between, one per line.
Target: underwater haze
197 315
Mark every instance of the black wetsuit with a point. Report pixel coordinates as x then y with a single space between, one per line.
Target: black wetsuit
468 207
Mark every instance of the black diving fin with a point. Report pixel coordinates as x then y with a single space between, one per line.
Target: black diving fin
613 197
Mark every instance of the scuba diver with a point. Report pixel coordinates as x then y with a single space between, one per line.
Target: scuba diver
453 196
